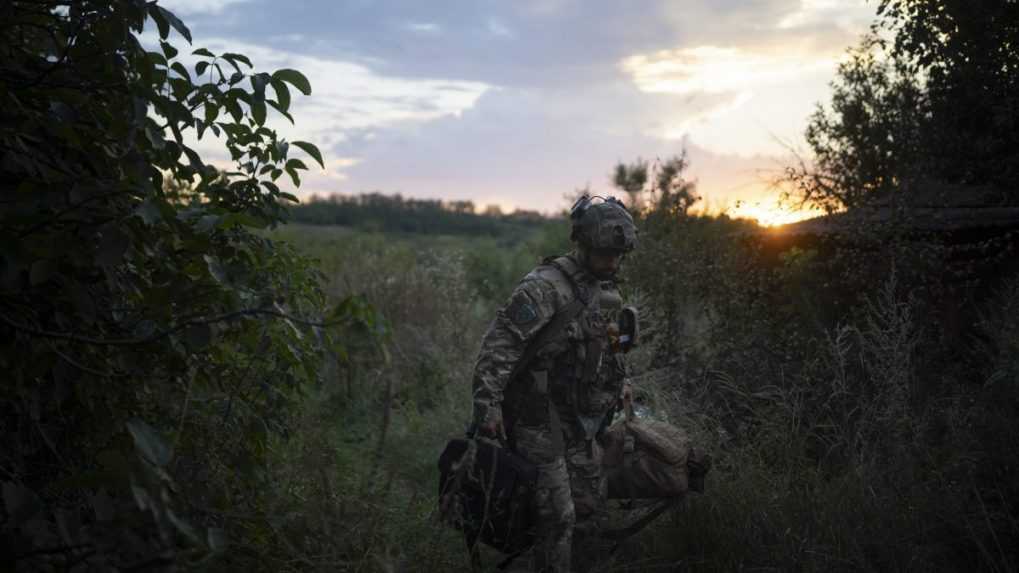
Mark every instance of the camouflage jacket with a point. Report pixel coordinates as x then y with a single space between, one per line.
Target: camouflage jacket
578 386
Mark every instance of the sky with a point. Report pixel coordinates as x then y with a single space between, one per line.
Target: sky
518 103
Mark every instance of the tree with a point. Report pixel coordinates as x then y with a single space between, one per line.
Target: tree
866 143
927 101
149 333
669 191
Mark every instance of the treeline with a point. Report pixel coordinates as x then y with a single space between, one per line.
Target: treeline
396 213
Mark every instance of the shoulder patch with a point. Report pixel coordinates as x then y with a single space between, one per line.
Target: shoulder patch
521 310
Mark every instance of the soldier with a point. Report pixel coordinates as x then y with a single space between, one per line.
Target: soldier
554 406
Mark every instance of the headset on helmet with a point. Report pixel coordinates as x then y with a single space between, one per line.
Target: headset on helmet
604 225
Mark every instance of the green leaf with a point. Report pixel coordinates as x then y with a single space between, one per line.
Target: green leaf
271 187
294 78
211 112
148 443
282 112
234 108
258 83
296 164
204 53
180 69
293 175
175 22
216 270
149 212
234 58
216 539
282 93
112 246
200 67
194 160
157 15
168 50
156 58
312 150
258 111
155 136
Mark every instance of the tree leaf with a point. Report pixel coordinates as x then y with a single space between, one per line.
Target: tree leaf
211 112
271 187
312 150
293 175
112 246
282 93
234 58
216 539
216 270
282 112
296 164
204 53
156 12
258 111
148 442
294 78
168 50
180 69
175 22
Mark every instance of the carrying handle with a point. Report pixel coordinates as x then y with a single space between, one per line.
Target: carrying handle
628 405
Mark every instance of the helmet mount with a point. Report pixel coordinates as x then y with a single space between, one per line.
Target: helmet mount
602 226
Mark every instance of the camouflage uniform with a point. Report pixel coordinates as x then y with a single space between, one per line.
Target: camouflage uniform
580 390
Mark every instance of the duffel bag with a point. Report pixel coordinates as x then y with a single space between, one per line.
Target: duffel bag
485 491
648 459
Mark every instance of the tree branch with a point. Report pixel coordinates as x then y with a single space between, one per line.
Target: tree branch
163 334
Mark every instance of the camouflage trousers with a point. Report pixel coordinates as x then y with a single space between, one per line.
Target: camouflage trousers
569 497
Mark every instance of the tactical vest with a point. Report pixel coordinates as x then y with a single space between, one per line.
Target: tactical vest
572 372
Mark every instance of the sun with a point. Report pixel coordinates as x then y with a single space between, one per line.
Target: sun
771 213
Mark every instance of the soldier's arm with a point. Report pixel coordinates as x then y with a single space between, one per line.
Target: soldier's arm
531 306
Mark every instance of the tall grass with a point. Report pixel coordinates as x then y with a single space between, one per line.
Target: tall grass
839 445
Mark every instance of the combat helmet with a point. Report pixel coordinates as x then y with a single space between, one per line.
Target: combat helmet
606 225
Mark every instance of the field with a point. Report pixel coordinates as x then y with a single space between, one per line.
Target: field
832 452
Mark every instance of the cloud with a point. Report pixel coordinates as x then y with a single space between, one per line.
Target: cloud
423 28
714 70
849 14
351 99
192 7
497 28
405 91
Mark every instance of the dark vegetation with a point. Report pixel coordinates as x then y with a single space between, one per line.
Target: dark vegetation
397 214
190 386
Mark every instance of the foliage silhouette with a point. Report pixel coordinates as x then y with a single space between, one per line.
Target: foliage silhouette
151 336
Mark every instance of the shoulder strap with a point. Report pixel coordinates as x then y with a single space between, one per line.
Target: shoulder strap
550 331
561 318
573 272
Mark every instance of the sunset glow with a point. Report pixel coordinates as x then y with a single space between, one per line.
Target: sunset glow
771 213
517 104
